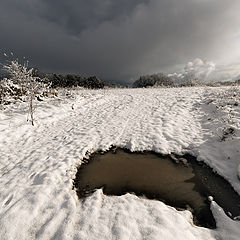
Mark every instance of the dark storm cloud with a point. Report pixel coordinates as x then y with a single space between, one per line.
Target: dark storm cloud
77 16
119 39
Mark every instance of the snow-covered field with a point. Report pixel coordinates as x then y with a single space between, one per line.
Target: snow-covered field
38 164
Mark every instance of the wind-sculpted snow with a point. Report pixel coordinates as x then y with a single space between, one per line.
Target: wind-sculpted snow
37 164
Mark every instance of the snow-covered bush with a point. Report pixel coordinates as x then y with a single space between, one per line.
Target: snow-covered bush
21 84
9 91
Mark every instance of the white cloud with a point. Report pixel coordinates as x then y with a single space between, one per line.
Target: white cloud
197 69
225 73
206 71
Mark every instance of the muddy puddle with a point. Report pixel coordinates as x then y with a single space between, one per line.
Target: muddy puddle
179 182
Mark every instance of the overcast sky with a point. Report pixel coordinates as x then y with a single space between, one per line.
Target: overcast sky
121 39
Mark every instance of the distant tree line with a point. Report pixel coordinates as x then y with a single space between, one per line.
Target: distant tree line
73 80
153 80
159 79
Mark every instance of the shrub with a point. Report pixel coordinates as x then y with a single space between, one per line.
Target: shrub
153 80
21 83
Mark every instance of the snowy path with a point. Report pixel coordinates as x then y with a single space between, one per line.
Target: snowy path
37 164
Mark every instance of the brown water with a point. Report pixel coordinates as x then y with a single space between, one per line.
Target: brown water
157 177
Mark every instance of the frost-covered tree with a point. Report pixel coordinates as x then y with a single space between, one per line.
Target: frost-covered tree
21 77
